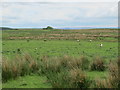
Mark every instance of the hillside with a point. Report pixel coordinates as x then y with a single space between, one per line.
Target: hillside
6 28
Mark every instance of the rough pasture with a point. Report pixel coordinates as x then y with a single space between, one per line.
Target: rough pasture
60 48
37 48
61 34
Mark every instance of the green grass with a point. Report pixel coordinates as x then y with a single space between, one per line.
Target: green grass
55 47
49 33
97 74
33 81
60 48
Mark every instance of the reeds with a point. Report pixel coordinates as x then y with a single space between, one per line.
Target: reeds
113 73
101 83
66 71
78 79
62 72
6 70
112 80
20 66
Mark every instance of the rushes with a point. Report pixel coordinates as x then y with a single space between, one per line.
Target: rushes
62 72
33 66
52 64
113 74
6 70
101 83
84 63
17 67
66 71
113 69
97 64
80 62
112 80
57 63
78 79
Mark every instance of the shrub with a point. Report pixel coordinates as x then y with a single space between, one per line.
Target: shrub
48 27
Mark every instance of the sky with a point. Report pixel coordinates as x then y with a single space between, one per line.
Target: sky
58 14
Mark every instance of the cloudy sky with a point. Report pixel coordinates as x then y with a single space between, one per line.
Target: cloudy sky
59 14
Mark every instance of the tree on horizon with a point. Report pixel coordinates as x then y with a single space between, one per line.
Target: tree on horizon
48 27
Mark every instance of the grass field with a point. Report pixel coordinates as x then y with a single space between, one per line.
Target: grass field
38 48
56 44
30 81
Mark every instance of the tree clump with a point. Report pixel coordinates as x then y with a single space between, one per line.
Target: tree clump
48 27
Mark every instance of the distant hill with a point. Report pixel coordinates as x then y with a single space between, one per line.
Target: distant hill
90 28
66 28
6 28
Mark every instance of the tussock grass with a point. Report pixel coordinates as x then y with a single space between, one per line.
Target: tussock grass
114 74
112 80
109 82
78 79
101 83
20 66
6 70
98 64
62 72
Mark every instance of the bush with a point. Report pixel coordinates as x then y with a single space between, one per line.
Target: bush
48 27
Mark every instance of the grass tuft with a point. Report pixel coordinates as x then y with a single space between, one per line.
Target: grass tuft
98 64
